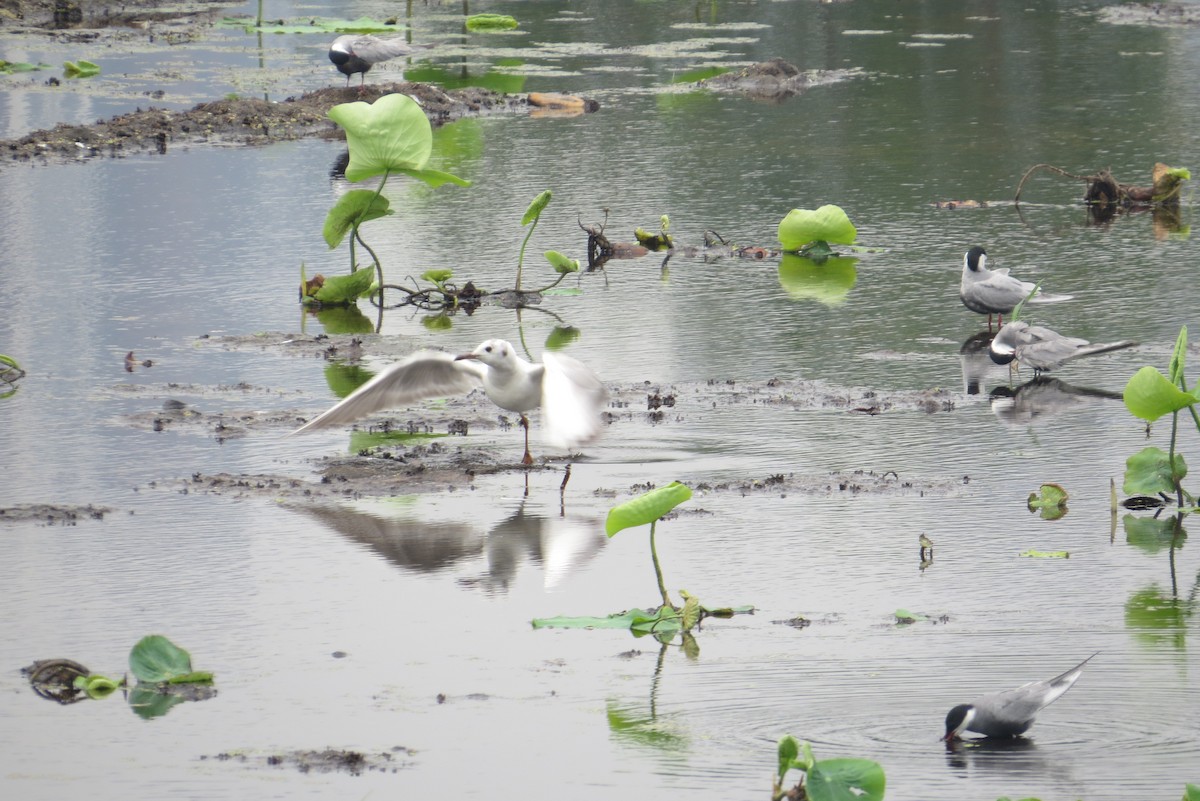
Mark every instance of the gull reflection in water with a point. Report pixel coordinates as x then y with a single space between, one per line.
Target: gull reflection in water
558 544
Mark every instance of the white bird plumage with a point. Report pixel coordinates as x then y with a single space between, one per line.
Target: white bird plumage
991 292
1012 712
567 391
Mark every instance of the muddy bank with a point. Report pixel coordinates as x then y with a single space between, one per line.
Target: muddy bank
240 121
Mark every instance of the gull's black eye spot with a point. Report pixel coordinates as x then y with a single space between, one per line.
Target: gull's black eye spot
488 349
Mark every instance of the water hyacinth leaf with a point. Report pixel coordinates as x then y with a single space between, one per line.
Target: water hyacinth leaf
353 208
155 659
561 264
345 288
646 508
1149 395
1149 472
845 779
535 207
827 224
485 23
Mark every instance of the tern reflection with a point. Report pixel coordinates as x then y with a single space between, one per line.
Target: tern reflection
1010 757
1042 398
557 544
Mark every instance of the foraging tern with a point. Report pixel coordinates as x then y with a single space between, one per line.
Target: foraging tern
358 53
1012 712
567 391
1041 348
991 292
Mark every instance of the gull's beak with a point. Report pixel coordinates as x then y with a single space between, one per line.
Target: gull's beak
465 356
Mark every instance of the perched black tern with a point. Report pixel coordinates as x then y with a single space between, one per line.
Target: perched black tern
991 292
1041 348
567 391
358 53
1010 713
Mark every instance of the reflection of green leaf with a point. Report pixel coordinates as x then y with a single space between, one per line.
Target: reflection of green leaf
827 224
486 23
437 322
156 659
345 378
1149 471
505 83
1150 394
1157 619
829 282
313 25
345 288
644 730
845 779
345 319
646 508
1153 534
148 702
363 440
353 208
699 74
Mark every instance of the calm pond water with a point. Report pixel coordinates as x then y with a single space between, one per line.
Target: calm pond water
431 596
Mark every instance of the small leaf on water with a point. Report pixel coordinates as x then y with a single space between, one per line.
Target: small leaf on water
535 207
646 508
1047 554
1191 793
691 611
485 23
1051 499
904 617
156 659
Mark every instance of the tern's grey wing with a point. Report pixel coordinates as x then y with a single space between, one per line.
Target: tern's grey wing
1043 349
1016 709
999 294
372 49
426 374
572 397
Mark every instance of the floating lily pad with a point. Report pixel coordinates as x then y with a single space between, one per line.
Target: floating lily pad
1046 554
487 23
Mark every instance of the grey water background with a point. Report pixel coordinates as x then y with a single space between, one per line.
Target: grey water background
433 594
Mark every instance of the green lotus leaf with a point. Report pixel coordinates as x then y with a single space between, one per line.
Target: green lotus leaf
535 207
346 288
561 264
483 23
390 135
1150 394
646 508
827 224
1150 471
845 779
155 659
353 208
